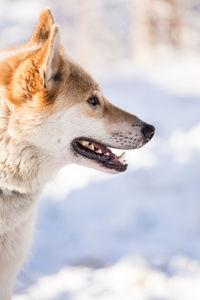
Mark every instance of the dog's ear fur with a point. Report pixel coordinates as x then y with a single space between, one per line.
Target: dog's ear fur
36 73
50 56
43 28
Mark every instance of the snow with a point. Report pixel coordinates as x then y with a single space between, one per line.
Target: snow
130 236
128 279
185 144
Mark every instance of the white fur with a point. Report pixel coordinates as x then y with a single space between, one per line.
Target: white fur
52 54
24 170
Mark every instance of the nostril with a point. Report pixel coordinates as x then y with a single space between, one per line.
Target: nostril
148 131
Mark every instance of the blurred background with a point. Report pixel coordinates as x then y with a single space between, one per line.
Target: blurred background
137 235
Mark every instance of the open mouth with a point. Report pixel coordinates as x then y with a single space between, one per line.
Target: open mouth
100 153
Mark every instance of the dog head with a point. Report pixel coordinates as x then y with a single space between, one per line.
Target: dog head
58 108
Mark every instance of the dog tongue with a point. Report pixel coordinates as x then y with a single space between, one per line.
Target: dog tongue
107 150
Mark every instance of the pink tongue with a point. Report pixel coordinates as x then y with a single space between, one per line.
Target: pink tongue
103 149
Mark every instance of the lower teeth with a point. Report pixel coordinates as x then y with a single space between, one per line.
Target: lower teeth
98 151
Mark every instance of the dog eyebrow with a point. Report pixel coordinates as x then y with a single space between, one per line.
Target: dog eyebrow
97 93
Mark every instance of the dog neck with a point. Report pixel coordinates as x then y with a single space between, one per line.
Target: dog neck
23 168
9 193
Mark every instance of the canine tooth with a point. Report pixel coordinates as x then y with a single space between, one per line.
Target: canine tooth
84 143
121 157
91 147
98 151
107 154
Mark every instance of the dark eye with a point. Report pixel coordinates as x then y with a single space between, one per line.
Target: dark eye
94 101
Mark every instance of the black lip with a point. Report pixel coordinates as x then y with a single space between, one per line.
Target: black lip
104 161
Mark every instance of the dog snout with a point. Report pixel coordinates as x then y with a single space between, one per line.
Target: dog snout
148 131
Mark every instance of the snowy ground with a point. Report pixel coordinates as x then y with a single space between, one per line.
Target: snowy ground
133 236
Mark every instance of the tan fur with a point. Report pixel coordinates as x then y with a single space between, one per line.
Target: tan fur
43 108
43 27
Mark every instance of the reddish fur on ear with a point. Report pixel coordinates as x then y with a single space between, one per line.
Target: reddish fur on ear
30 73
43 28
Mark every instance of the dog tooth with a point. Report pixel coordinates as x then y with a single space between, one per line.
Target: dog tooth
98 151
121 157
83 143
91 147
107 154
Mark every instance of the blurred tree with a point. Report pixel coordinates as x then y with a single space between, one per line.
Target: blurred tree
158 23
83 27
105 32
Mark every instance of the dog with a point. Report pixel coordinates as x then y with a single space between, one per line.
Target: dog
52 113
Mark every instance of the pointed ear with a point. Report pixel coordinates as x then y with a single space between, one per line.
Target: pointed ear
50 55
43 28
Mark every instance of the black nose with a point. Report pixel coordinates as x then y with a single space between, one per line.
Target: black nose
148 131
